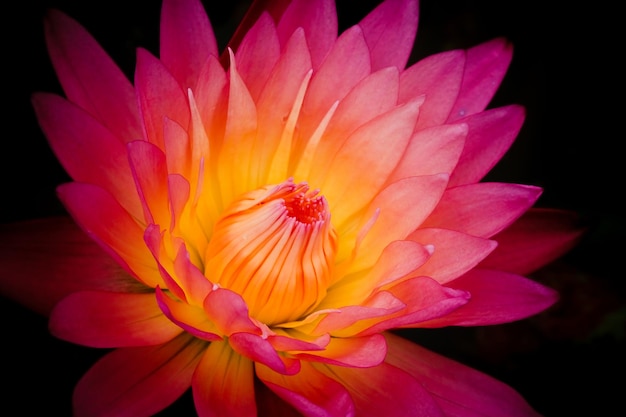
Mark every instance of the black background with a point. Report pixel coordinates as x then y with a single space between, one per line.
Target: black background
566 361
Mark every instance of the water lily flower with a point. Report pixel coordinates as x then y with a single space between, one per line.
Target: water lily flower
254 223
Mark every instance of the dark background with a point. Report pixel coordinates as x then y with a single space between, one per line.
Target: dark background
566 361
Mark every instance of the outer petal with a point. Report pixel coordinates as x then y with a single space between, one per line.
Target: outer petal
88 151
309 391
53 258
496 297
459 390
102 218
389 31
138 382
318 18
223 384
106 319
485 67
90 78
186 39
384 390
537 238
491 133
482 209
359 352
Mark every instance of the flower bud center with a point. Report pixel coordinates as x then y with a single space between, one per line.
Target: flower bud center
274 246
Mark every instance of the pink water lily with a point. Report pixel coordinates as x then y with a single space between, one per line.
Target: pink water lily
253 223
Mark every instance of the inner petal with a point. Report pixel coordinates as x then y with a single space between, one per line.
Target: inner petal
275 246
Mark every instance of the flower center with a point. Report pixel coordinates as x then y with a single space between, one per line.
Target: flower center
275 246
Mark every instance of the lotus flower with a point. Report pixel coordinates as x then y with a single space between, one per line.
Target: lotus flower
254 224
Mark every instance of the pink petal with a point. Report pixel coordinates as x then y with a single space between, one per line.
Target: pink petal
160 96
482 209
150 172
188 317
496 297
403 206
384 390
88 151
90 78
107 319
485 67
270 404
424 298
309 391
210 96
459 390
362 165
349 57
275 8
223 384
103 219
389 31
318 18
360 352
453 253
259 349
229 312
186 39
431 151
438 77
491 133
138 382
295 340
56 258
257 54
537 238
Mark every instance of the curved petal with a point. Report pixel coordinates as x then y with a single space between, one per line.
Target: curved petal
138 382
56 258
389 31
496 297
491 133
90 78
453 253
186 39
102 218
160 96
318 18
535 239
484 70
482 209
457 389
358 352
384 390
261 350
106 319
309 391
438 77
223 384
88 151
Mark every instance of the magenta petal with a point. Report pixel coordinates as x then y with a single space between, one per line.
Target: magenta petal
482 209
90 78
459 390
260 350
309 391
186 39
88 150
138 382
537 238
56 258
496 297
359 352
491 133
385 390
318 18
485 67
389 31
229 312
107 319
